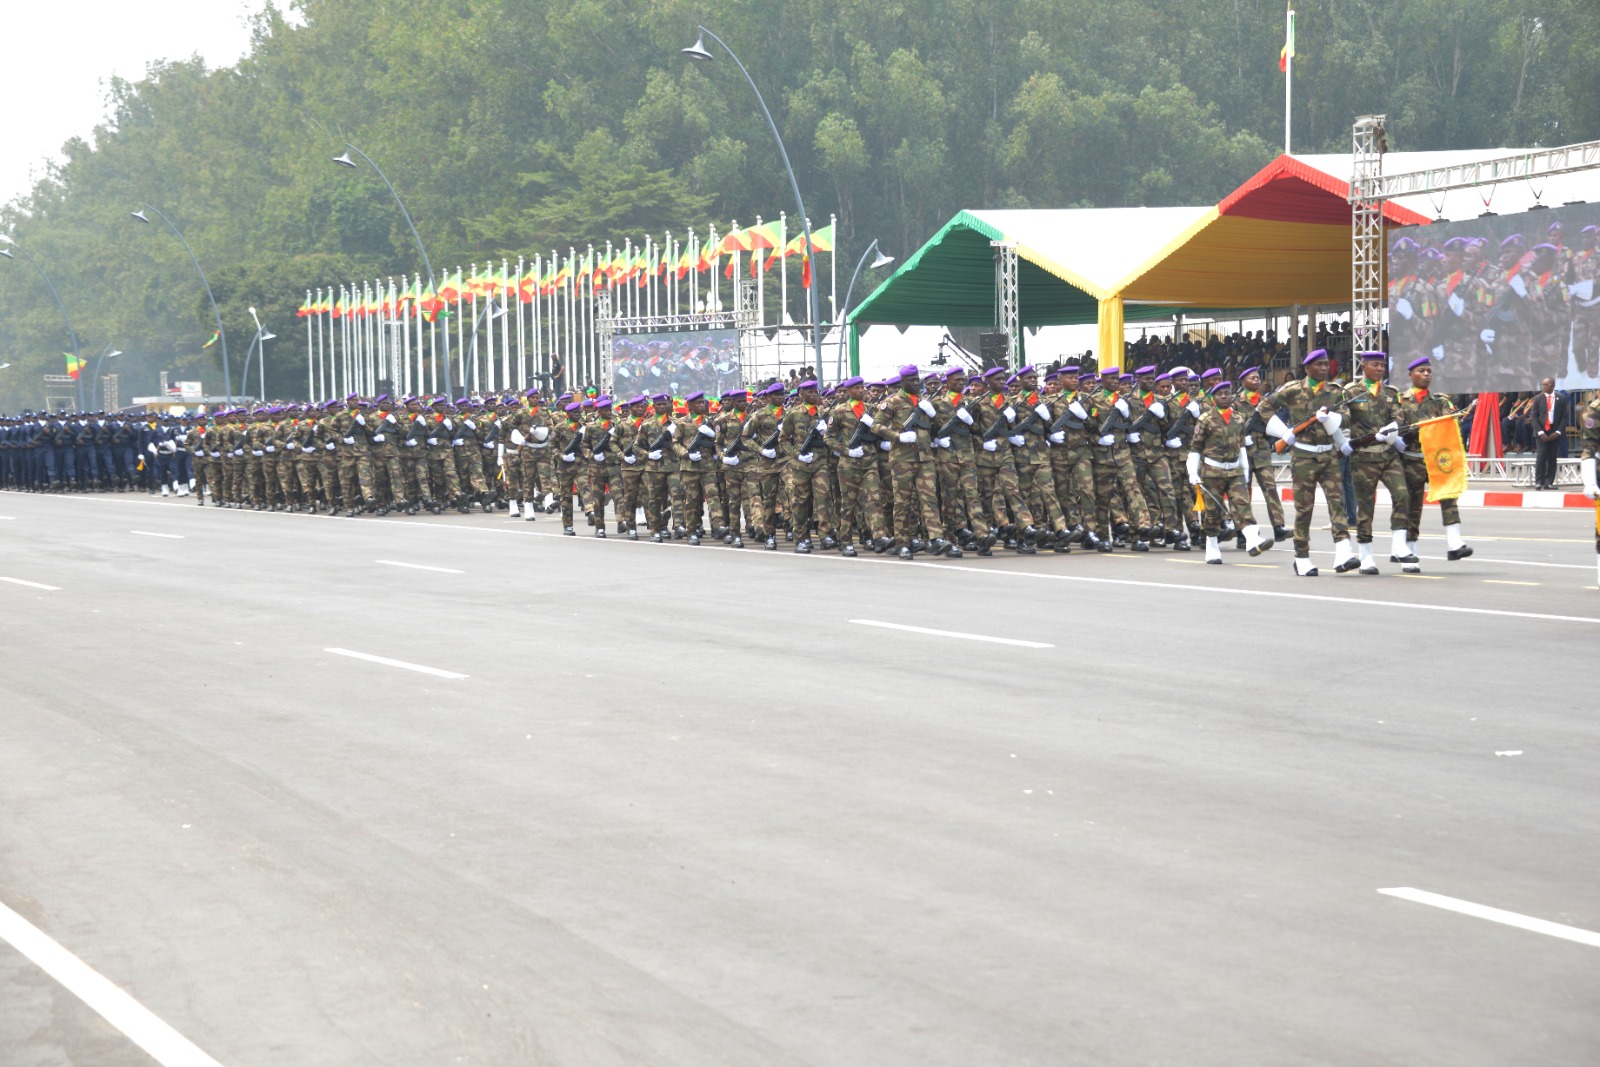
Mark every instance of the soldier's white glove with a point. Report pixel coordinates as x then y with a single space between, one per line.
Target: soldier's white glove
1403 308
255 451
362 419
942 442
1193 408
1519 285
706 431
1133 438
458 441
1249 440
630 460
431 441
378 437
1193 465
1590 489
730 461
1323 414
1076 407
1174 442
349 440
569 457
1042 410
599 457
694 457
991 446
329 446
1456 304
908 437
885 445
1122 406
1344 448
1059 437
1388 431
772 453
389 417
239 451
409 444
1107 441
856 453
270 448
805 457
927 406
866 420
517 438
541 433
1487 336
1159 409
653 454
1017 440
964 415
449 424
1398 443
1009 412
470 423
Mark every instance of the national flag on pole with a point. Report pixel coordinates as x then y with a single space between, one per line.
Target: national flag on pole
74 365
215 334
1288 46
1440 441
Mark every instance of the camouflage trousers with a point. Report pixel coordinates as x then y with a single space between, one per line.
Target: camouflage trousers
761 485
469 469
569 483
1416 472
810 497
730 497
998 484
328 475
443 479
1264 477
657 490
1116 488
958 488
1155 481
1224 488
538 472
861 511
1038 488
1072 470
1368 470
1314 470
387 462
1586 339
629 496
697 491
595 481
916 496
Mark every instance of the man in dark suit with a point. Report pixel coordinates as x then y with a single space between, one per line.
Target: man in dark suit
1549 418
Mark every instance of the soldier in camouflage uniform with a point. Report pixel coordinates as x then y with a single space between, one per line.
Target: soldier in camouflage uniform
1147 445
1113 463
860 490
1418 404
630 477
957 469
569 472
1590 421
998 484
386 435
1309 403
903 419
802 442
1373 425
729 424
694 443
652 444
1032 429
1258 446
762 472
1218 463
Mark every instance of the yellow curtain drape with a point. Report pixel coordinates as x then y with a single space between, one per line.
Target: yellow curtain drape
1110 350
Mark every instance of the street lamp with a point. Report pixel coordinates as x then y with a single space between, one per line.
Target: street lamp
105 353
263 335
490 313
6 239
343 159
222 335
700 53
881 261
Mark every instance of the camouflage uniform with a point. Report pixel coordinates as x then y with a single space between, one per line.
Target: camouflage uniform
730 428
1316 462
1219 443
861 514
805 474
1417 405
957 470
697 475
1372 405
761 475
657 486
916 491
1258 447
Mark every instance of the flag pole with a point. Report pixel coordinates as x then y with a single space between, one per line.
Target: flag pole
1288 79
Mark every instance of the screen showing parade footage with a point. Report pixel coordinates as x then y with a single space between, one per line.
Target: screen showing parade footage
677 363
1499 303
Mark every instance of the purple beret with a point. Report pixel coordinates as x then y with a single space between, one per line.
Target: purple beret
775 388
809 383
1070 368
1146 370
853 380
1166 377
1087 376
1110 372
1404 244
1374 357
1590 229
661 398
1545 248
1315 354
1224 384
602 401
1248 371
955 372
1026 370
994 372
693 397
741 394
909 371
1514 241
572 408
1211 372
1456 243
1126 378
1421 361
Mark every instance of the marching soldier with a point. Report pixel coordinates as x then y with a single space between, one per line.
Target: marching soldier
1258 446
1314 432
1374 436
1219 466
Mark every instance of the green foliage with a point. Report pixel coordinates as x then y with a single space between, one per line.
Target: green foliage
514 126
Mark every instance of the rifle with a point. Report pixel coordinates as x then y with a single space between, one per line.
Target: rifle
997 429
733 449
661 443
1180 424
571 447
1113 421
917 420
600 446
1066 420
1372 438
1279 445
814 439
1147 417
860 438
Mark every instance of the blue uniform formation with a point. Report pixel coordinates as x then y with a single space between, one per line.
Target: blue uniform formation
78 452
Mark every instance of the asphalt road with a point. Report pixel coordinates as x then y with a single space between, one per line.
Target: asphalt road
682 810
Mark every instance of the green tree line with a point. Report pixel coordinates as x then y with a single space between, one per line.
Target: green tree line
515 126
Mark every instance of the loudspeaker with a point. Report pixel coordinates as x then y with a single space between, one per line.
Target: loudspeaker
994 349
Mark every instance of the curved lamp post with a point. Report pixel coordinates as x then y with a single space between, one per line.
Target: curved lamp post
10 245
881 261
222 335
344 160
105 353
698 51
263 335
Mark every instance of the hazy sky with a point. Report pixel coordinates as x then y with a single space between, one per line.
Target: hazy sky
58 62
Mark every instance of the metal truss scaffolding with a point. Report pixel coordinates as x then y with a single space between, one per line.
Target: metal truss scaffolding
1007 318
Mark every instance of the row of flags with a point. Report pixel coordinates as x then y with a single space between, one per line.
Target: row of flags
597 269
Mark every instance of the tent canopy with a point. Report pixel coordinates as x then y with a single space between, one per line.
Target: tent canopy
1281 238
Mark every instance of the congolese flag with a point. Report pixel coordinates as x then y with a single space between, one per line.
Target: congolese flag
1440 441
1288 45
74 365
